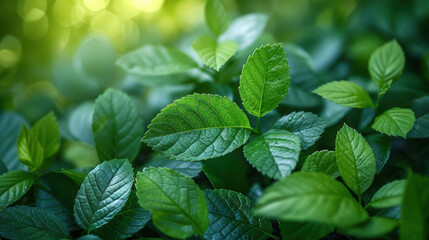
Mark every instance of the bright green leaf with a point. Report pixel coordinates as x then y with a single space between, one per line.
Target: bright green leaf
29 149
176 202
48 134
389 195
307 126
217 17
375 227
103 193
212 53
313 197
13 185
275 153
231 217
265 79
345 93
395 122
198 127
127 222
156 61
304 231
323 162
24 222
414 223
380 145
117 126
386 65
355 159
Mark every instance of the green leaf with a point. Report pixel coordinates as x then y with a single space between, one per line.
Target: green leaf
187 168
375 227
245 30
420 128
103 193
117 126
386 65
265 80
313 197
217 17
155 61
231 217
390 195
414 223
355 159
307 126
29 149
304 231
176 202
128 221
24 222
3 168
395 122
198 127
275 153
48 134
345 93
323 162
10 125
75 176
13 185
380 145
212 53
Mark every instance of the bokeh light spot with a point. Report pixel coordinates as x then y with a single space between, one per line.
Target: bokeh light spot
96 5
148 6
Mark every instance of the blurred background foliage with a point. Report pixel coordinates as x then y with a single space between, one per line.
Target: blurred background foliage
59 55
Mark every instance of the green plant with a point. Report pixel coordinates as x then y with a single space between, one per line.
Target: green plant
186 181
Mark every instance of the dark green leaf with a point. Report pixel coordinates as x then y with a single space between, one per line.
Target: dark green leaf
265 79
103 193
307 126
304 231
313 197
231 217
198 127
187 168
355 159
380 145
10 125
395 122
275 153
13 185
217 17
24 222
212 53
323 162
176 202
117 126
420 128
345 93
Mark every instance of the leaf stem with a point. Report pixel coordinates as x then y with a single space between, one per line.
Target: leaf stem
377 103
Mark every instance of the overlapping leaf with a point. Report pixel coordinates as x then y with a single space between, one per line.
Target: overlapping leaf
345 93
198 127
48 134
217 17
395 122
29 149
389 195
323 162
380 145
265 79
187 168
275 153
304 231
212 53
13 185
375 227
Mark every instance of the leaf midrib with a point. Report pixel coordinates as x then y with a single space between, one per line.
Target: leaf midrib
198 129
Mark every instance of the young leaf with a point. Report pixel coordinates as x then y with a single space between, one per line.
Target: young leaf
128 221
304 231
265 79
29 149
345 93
24 222
198 127
415 212
380 145
103 193
390 195
176 202
395 122
355 159
156 61
307 126
212 53
375 227
313 197
187 168
48 134
386 65
322 162
275 153
231 217
13 185
217 17
117 126
245 30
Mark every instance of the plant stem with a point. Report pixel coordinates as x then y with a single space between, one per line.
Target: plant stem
378 100
258 125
